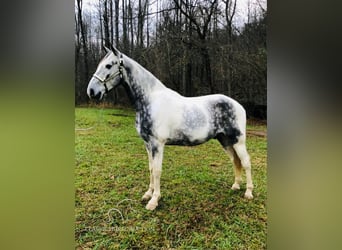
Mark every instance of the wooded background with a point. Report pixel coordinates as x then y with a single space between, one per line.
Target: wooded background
195 47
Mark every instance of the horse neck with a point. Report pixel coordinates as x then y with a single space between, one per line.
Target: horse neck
139 83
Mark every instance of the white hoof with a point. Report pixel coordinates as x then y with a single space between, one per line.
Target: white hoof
147 196
235 186
248 195
151 206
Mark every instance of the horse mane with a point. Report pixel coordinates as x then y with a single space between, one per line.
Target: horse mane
136 89
135 64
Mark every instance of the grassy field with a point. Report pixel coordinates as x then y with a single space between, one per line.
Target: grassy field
197 209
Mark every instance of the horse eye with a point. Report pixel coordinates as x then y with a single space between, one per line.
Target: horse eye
108 66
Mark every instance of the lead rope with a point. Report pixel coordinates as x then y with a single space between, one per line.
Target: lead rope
101 116
99 119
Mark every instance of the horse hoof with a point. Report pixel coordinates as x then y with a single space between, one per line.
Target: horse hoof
248 195
146 197
151 206
235 186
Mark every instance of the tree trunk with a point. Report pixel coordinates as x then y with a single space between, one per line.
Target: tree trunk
131 27
147 26
84 39
116 22
106 25
101 24
111 22
124 26
207 67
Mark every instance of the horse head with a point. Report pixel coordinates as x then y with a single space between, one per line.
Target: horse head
107 75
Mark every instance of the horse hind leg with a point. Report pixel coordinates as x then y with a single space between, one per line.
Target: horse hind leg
241 152
237 167
227 145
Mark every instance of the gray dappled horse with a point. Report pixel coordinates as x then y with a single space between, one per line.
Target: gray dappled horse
164 117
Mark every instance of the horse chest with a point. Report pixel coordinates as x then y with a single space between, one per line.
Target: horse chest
144 124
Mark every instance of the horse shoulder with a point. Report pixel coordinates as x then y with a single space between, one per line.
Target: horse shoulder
165 101
166 109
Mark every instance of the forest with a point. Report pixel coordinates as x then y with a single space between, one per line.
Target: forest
195 47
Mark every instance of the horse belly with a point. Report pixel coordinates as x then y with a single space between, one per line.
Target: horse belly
182 138
193 129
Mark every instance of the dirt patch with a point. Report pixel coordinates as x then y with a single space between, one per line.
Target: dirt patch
257 133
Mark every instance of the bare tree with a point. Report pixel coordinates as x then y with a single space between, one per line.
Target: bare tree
117 2
106 24
142 10
200 18
230 10
83 31
124 25
193 46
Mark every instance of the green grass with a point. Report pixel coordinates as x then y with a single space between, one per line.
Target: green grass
197 209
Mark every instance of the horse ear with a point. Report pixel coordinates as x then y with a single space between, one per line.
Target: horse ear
106 49
115 50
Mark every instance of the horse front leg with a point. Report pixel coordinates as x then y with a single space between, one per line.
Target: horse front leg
157 159
149 192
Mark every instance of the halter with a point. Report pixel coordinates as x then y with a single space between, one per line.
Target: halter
102 80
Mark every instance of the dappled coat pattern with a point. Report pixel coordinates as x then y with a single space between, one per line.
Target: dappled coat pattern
164 117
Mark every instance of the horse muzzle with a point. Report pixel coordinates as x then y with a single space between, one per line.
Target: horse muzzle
95 90
93 95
